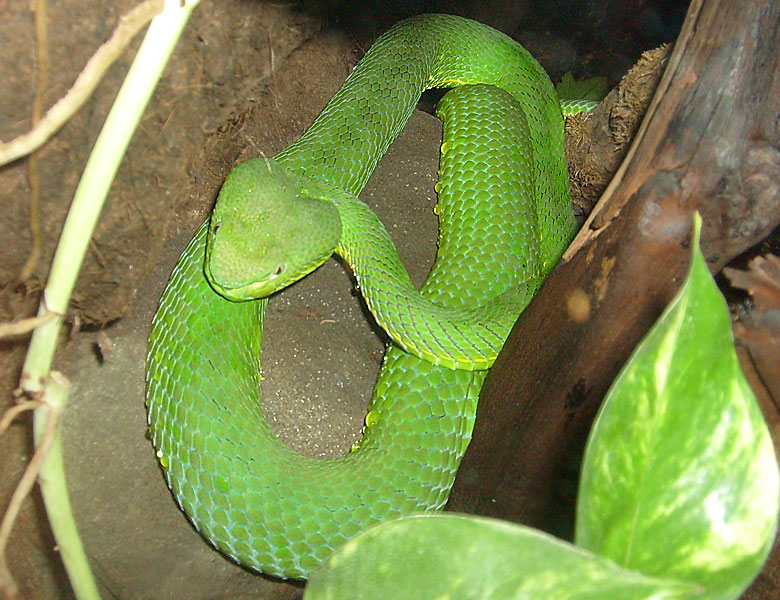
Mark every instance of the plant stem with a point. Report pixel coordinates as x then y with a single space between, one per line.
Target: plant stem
141 80
55 490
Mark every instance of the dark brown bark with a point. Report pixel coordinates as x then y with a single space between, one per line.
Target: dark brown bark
709 143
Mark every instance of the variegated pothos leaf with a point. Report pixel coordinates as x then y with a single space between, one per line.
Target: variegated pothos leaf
680 477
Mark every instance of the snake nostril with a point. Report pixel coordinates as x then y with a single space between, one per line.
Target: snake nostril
279 269
215 228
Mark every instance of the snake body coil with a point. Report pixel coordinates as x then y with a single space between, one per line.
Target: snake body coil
505 219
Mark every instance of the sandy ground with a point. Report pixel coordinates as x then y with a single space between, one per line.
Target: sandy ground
320 359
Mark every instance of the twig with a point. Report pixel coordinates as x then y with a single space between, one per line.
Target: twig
13 412
129 25
25 325
48 434
42 75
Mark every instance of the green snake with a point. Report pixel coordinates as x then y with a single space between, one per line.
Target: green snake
505 219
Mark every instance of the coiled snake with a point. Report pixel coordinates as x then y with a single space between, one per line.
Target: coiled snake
505 219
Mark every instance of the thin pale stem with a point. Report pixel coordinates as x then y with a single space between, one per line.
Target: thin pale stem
141 80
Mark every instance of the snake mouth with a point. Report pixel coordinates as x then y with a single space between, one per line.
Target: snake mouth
259 288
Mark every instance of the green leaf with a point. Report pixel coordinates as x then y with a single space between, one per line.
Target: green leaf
680 478
441 556
593 89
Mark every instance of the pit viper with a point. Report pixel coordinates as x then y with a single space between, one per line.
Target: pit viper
505 219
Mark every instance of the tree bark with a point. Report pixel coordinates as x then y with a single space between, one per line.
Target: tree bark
709 143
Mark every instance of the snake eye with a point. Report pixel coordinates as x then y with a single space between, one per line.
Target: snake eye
279 269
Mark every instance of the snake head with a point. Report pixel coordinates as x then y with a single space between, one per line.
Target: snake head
267 231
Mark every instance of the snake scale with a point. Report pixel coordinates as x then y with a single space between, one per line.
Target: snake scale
505 219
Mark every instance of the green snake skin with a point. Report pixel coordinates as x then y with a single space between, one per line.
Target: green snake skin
505 219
